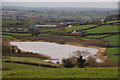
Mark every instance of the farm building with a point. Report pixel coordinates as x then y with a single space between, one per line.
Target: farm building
77 31
41 26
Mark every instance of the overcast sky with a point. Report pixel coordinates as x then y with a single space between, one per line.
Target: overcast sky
60 0
64 4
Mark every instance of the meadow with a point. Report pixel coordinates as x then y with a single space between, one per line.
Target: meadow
31 60
113 40
69 15
103 29
110 52
69 29
8 33
26 71
5 36
9 22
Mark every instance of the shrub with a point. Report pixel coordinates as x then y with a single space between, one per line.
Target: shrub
107 63
5 46
92 63
67 63
78 60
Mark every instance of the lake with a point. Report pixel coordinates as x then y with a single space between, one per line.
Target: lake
54 50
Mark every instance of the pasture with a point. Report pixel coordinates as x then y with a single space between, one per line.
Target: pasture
110 52
9 22
103 29
31 60
15 33
26 71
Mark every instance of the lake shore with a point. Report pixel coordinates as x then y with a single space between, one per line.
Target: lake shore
100 54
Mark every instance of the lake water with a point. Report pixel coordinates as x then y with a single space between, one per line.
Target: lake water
54 50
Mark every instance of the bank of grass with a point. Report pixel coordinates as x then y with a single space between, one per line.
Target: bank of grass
28 71
110 52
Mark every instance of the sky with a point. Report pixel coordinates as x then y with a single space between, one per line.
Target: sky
63 3
60 0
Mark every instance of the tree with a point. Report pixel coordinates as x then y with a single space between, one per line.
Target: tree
105 22
19 51
80 58
67 63
81 62
76 60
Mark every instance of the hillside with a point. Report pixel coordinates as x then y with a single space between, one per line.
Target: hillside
106 32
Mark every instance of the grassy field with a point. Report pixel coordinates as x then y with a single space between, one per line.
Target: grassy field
26 71
70 15
113 40
16 33
6 16
104 29
110 53
68 29
8 22
44 34
112 21
5 36
101 29
32 60
96 36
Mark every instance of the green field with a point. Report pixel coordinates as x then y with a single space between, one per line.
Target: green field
9 22
96 36
6 16
31 60
110 53
27 71
44 34
112 21
68 29
103 29
5 36
113 40
16 33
